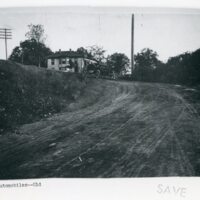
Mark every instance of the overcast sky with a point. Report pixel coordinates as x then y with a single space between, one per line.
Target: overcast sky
168 34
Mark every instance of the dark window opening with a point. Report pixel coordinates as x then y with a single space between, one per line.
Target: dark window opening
52 62
63 61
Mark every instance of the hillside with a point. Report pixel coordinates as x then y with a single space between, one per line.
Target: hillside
29 93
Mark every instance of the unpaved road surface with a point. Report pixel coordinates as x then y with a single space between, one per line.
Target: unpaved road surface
116 129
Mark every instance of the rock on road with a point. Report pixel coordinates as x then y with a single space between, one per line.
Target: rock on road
116 129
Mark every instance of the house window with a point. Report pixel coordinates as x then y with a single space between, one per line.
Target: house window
52 62
63 61
60 61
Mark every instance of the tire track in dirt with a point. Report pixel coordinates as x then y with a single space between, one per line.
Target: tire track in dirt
101 113
128 131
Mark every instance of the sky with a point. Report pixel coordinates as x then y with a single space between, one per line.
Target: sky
169 33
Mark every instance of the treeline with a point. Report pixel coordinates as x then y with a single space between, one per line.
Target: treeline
33 51
181 69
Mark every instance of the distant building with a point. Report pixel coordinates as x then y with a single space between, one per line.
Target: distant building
68 61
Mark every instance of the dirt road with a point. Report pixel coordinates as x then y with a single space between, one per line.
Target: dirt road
117 129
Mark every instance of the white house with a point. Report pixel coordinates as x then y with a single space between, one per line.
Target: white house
68 61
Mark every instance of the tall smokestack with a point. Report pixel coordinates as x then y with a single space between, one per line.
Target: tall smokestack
132 44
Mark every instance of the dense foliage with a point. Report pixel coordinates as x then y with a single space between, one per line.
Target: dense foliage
29 93
83 51
181 69
118 61
30 52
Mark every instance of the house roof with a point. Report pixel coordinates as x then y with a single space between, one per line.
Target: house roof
64 54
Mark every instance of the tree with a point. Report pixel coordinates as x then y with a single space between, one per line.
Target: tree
84 52
29 51
147 58
184 68
118 61
97 52
36 32
16 54
181 69
145 64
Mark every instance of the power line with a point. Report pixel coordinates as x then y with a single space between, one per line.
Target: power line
132 44
6 34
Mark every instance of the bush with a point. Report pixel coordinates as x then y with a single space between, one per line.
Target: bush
29 93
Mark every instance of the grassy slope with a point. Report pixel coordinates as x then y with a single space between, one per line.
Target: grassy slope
28 93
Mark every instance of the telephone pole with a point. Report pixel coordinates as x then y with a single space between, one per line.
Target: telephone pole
5 34
132 44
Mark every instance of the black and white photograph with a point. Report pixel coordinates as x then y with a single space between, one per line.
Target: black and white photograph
99 92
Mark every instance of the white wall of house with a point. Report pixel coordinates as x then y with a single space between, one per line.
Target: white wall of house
56 63
50 65
80 62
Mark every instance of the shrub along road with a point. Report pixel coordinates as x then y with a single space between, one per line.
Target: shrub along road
116 129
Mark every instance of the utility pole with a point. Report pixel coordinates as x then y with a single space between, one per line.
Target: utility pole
132 44
5 34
